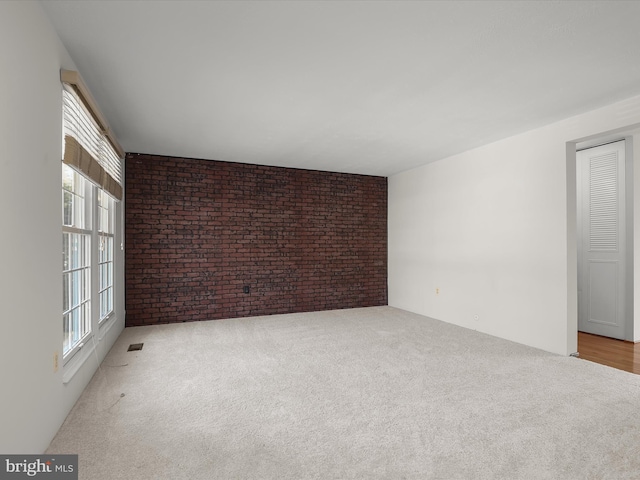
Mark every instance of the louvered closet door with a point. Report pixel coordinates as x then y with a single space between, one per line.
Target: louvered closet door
601 240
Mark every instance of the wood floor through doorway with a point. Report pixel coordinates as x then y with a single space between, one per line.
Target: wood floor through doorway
609 351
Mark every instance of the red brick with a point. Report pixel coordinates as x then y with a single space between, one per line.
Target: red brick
197 231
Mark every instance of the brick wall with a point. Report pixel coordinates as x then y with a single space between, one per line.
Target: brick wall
198 232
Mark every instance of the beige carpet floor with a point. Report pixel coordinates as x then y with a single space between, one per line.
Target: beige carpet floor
372 393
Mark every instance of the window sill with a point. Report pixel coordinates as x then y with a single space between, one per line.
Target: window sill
76 362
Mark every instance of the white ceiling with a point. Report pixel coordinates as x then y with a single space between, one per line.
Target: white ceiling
361 87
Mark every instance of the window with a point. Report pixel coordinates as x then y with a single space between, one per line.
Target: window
91 188
76 258
106 238
79 234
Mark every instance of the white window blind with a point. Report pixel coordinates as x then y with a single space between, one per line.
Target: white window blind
87 147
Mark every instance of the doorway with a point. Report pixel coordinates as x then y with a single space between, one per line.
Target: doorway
602 227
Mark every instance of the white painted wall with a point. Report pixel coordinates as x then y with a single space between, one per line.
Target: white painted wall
494 230
34 401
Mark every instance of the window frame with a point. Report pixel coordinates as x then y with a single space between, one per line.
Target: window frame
106 240
92 231
80 226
